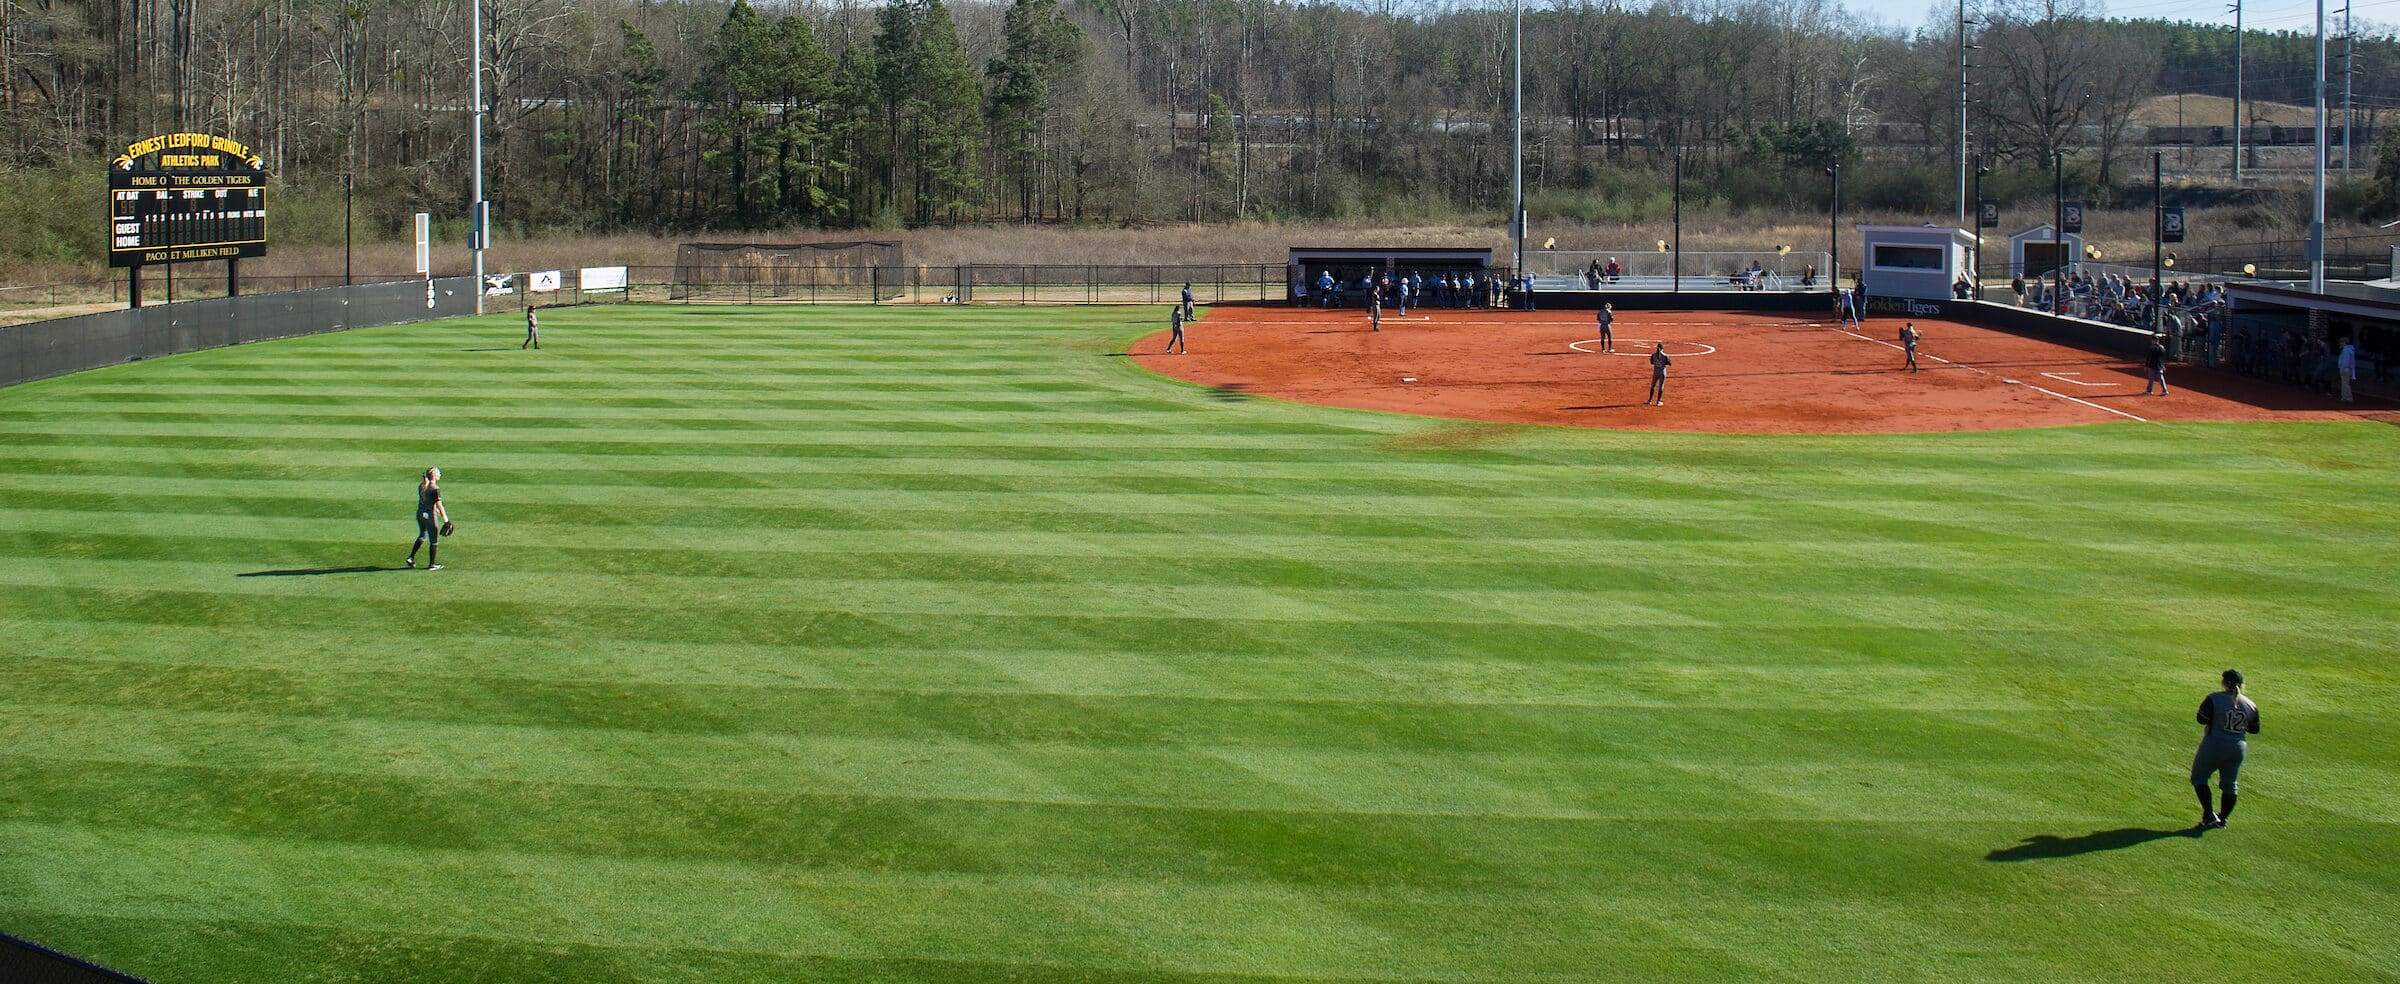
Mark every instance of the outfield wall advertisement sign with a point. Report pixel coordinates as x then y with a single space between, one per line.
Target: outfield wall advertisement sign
185 197
601 278
542 282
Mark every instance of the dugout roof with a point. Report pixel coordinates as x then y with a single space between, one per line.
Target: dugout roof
1390 257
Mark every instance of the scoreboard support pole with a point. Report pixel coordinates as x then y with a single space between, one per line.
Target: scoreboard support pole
133 286
233 278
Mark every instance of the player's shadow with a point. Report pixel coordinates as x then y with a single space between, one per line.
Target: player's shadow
2043 846
1229 393
502 348
312 571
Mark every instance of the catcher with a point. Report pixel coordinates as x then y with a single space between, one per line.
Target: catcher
433 521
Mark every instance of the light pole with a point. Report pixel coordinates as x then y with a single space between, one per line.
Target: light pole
2316 223
1516 200
2349 122
479 214
1975 262
1833 231
2158 249
346 216
2236 6
1962 109
1678 222
2058 233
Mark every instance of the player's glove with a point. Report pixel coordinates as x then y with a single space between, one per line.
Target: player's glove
449 527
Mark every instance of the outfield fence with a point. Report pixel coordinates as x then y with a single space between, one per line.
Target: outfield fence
59 346
26 962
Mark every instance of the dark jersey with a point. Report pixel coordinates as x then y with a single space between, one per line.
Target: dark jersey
429 497
2228 715
2157 359
1659 363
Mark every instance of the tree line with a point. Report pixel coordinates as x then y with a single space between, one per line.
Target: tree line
708 114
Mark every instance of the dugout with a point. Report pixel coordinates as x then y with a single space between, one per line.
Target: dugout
1916 262
2275 328
1348 264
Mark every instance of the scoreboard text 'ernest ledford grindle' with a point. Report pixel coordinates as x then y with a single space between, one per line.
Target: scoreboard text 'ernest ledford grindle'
201 197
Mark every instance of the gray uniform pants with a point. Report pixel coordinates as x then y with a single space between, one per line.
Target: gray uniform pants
2223 757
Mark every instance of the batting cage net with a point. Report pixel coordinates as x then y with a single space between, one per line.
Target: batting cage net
828 271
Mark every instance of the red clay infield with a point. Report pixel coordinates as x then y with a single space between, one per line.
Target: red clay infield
1734 372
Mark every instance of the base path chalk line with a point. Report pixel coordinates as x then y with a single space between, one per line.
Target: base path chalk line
1705 348
2069 377
2004 379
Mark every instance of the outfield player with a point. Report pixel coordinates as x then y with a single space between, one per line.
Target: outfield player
1175 344
431 516
1908 343
533 330
1189 312
2231 718
1608 320
1658 376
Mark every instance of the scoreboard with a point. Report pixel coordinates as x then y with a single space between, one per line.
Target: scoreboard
177 214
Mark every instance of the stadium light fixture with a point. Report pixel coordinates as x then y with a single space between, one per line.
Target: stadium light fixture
2249 269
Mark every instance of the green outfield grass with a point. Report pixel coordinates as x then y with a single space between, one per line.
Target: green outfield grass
951 646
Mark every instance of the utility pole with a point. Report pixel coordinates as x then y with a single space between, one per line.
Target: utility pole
2237 91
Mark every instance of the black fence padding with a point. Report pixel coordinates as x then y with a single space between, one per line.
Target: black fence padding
54 348
23 962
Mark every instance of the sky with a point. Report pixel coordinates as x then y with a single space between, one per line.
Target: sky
2266 15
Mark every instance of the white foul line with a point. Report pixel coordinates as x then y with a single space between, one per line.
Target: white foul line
2069 377
2004 379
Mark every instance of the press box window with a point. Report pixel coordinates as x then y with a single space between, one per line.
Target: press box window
1908 257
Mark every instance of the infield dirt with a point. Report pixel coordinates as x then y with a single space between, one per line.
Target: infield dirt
1733 372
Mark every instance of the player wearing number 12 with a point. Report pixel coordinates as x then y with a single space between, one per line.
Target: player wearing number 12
2231 718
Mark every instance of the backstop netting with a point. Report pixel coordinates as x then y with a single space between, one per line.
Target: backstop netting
827 271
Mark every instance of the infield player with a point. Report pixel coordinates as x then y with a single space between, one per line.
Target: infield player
431 517
1658 376
1375 309
2231 718
2154 365
1608 320
1175 344
533 330
1908 343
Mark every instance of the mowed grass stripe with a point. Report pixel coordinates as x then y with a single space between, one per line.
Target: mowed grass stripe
940 645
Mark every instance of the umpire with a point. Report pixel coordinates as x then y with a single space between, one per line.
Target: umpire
2231 718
